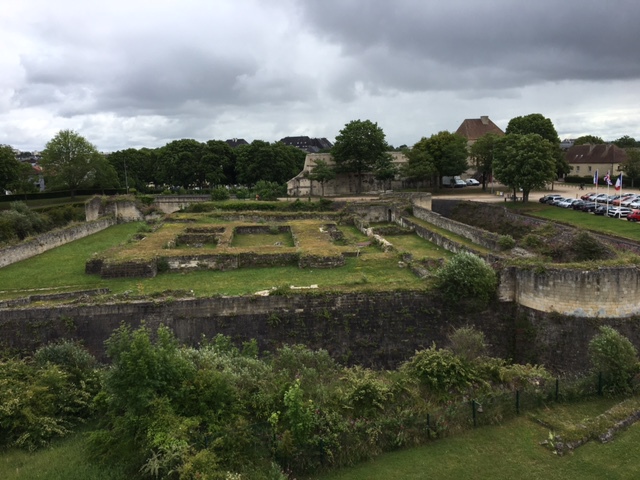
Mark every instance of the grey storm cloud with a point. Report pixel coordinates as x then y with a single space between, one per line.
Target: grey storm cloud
454 44
139 73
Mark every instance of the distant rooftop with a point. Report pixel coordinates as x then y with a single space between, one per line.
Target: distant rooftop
311 145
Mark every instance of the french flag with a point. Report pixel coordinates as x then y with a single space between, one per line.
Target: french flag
619 182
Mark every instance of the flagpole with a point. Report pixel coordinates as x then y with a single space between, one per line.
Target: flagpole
595 180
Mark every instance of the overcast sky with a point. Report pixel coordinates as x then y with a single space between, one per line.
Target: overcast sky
141 73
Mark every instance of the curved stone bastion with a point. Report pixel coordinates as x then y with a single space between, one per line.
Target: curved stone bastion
605 292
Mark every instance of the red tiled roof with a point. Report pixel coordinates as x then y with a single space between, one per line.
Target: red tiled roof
474 128
589 153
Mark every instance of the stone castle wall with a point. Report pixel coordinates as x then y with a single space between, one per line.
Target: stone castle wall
379 330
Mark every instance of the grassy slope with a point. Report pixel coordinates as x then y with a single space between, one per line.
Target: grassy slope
510 451
597 223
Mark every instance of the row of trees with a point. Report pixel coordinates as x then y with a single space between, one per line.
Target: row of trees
71 162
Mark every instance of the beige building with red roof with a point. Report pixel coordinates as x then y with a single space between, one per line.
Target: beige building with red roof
585 159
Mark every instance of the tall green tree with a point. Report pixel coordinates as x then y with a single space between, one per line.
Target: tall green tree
448 153
322 172
481 154
384 170
592 139
358 147
70 161
270 162
524 162
419 166
541 125
10 168
625 142
136 168
631 166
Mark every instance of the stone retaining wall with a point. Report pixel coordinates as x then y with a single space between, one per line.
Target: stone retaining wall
49 240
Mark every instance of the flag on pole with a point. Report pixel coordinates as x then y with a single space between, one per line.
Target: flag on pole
607 179
619 182
595 178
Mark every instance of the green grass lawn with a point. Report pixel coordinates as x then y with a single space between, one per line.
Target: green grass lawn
62 270
589 221
248 240
419 247
507 452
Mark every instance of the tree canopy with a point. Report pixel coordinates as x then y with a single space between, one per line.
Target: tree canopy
69 161
359 146
631 166
537 123
14 175
592 139
322 172
625 142
524 162
271 162
481 154
447 151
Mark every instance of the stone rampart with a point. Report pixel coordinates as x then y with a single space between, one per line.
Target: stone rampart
611 292
49 240
380 329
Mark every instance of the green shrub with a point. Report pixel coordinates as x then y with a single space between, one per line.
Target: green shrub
506 242
468 343
441 371
467 276
586 247
38 403
219 194
615 357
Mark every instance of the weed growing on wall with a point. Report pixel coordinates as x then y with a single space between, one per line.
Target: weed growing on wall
467 277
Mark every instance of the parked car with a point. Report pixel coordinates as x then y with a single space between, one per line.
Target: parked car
630 200
568 202
472 182
587 196
633 205
600 209
619 212
588 207
549 198
634 216
556 201
578 204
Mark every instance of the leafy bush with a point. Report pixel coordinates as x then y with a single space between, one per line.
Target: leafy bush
613 355
264 190
20 222
468 343
38 403
585 247
506 242
467 276
441 371
219 194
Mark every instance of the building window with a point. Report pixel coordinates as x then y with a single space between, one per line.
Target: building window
578 168
589 168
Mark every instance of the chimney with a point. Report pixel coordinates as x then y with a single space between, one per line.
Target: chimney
485 119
